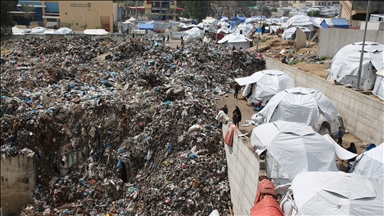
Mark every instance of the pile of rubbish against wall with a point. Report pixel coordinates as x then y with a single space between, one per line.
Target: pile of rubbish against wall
132 123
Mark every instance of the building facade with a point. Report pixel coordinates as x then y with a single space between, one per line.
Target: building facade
160 9
357 10
88 14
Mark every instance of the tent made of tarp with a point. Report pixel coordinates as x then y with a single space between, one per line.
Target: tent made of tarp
335 23
146 26
371 164
378 89
18 31
61 31
38 30
239 19
345 64
336 193
244 27
303 21
304 105
236 40
289 34
95 32
263 85
193 33
292 148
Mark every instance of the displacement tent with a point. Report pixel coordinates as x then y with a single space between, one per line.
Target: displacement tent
236 40
292 148
336 193
289 34
345 64
335 23
378 89
146 26
303 105
371 164
302 21
263 85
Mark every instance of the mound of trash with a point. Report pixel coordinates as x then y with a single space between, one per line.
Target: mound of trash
120 127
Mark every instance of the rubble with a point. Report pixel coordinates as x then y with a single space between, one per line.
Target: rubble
115 118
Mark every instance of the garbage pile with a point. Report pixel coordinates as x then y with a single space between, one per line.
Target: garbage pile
120 127
11 151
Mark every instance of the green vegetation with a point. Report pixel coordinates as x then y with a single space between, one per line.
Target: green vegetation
322 58
6 18
314 13
296 61
274 9
84 26
27 12
97 27
69 25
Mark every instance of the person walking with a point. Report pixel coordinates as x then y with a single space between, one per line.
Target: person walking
340 136
237 88
236 116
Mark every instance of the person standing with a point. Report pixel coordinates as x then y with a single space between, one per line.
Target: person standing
236 116
340 136
237 88
225 109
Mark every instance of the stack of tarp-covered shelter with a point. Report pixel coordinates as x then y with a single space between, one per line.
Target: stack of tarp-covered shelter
290 34
345 64
334 23
302 21
263 85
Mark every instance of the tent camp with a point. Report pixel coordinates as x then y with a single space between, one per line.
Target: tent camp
290 33
378 89
371 164
303 21
245 28
193 33
335 193
146 26
345 64
38 30
263 85
303 105
236 40
292 148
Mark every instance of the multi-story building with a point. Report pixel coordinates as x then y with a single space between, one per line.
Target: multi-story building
356 10
160 9
324 3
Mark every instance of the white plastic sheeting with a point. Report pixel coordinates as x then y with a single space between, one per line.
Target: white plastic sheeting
345 64
61 31
245 28
304 105
341 152
18 31
303 21
292 148
378 89
266 84
288 33
38 30
336 193
371 164
95 32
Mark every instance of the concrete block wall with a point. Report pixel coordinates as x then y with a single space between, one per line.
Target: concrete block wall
18 179
243 173
331 40
363 115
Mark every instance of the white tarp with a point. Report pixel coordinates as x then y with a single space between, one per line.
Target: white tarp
303 21
371 164
95 32
18 31
61 31
341 152
288 33
236 40
38 30
378 89
266 84
336 193
304 105
292 148
193 33
345 64
245 28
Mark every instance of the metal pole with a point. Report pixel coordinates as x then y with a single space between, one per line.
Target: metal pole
261 17
362 48
136 10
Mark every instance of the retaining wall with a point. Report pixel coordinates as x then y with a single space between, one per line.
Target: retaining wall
18 179
331 40
243 173
363 115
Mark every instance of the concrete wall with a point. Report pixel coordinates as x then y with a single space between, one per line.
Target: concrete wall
363 115
243 173
331 40
18 179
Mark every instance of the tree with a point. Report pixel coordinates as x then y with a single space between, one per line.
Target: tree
69 25
6 18
314 13
196 9
27 11
274 9
266 11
